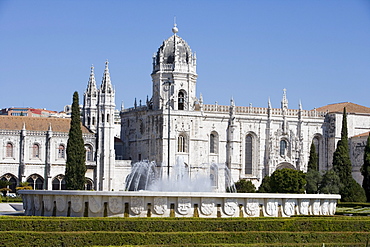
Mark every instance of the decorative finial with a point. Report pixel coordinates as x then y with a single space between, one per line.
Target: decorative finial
174 29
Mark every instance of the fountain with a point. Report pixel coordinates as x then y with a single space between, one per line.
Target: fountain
183 194
147 175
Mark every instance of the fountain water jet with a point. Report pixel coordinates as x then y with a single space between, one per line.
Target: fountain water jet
207 178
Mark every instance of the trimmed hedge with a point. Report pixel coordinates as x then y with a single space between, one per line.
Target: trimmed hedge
295 224
178 238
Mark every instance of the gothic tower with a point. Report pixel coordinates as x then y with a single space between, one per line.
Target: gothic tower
105 133
90 110
174 69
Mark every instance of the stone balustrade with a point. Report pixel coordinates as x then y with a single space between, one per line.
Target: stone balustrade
174 204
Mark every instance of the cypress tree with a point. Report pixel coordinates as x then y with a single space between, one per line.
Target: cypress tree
312 160
313 176
350 190
365 169
75 165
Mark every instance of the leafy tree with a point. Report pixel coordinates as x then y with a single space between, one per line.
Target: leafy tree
313 179
287 181
75 165
265 185
24 186
4 186
343 167
365 169
330 183
243 186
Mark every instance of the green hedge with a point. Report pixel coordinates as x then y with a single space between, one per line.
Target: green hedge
179 238
296 224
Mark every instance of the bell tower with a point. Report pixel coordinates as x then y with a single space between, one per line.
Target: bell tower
174 74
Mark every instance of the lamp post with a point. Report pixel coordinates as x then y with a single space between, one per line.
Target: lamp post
169 83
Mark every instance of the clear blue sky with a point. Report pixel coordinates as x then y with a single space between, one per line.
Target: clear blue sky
249 50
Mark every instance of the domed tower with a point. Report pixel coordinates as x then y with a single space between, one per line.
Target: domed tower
174 69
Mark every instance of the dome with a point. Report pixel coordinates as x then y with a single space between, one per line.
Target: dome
166 53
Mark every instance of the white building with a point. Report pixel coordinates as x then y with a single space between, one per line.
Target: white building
253 142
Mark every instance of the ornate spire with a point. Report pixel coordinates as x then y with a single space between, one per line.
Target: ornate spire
106 85
91 85
284 101
269 103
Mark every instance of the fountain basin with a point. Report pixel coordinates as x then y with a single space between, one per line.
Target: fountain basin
73 203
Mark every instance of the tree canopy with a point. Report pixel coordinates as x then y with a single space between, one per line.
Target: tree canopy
287 181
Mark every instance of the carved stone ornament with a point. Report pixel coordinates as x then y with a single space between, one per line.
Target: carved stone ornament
160 205
76 203
115 204
137 204
304 206
325 207
48 205
289 207
252 207
36 202
95 203
230 206
183 205
29 203
316 207
272 208
207 206
60 203
332 207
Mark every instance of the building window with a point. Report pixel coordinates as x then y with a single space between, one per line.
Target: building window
89 185
59 183
214 175
36 150
93 120
181 102
89 153
181 144
9 150
36 182
61 152
107 118
283 147
213 143
248 154
13 182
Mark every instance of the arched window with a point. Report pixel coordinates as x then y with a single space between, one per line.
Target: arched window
181 144
89 153
248 154
13 182
36 150
213 143
9 150
61 152
93 120
59 183
36 182
181 101
107 118
89 185
283 147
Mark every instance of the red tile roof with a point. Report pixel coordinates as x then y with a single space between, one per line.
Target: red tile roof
350 108
363 134
37 123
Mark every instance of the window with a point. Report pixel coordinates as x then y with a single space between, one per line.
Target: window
248 154
181 144
181 101
61 152
36 182
93 120
13 182
59 183
89 185
213 143
89 153
107 118
36 151
283 146
9 150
